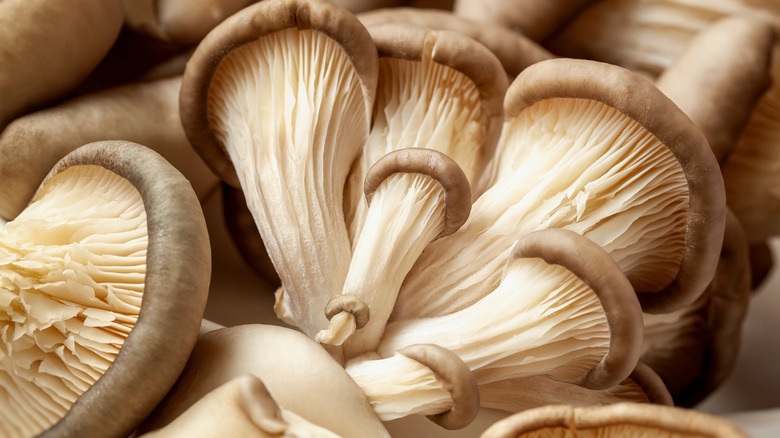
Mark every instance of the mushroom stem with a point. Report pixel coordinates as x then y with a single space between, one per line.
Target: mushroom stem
415 196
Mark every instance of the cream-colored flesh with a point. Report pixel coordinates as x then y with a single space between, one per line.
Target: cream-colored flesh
561 163
72 269
290 111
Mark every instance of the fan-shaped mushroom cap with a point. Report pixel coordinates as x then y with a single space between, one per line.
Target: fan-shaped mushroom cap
693 349
241 407
564 309
621 419
515 51
284 89
104 277
570 158
297 372
145 113
534 19
720 76
47 48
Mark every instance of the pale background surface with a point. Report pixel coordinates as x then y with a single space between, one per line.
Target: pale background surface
750 397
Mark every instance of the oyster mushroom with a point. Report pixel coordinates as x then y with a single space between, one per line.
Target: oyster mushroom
515 51
47 48
297 366
278 99
111 252
726 65
621 419
145 113
595 149
535 20
563 309
693 349
240 407
435 119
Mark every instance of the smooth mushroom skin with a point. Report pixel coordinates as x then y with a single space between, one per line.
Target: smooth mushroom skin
694 349
761 263
624 419
542 320
241 407
414 196
536 21
642 386
726 65
51 46
515 51
299 374
568 159
175 285
293 148
357 6
144 113
245 236
181 22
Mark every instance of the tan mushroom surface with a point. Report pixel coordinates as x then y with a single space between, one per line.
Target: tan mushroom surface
623 419
144 113
111 251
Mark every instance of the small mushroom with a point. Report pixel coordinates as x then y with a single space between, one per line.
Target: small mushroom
531 18
278 99
103 277
144 113
563 309
621 419
299 374
47 48
595 149
241 407
515 51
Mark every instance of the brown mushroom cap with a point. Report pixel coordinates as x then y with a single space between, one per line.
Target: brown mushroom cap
145 113
623 419
298 373
720 76
47 48
534 19
515 51
174 285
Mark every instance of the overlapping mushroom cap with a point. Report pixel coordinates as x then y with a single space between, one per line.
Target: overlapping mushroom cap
610 190
103 277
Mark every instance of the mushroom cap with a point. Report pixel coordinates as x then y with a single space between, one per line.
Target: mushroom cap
720 76
144 113
175 287
515 51
251 24
299 374
529 17
629 419
51 48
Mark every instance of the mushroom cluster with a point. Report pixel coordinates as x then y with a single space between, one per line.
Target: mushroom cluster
457 214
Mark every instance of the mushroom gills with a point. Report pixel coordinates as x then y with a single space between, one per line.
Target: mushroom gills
289 110
576 164
72 269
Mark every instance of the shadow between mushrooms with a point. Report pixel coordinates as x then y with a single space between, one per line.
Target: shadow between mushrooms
103 277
